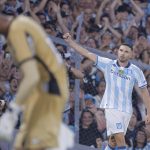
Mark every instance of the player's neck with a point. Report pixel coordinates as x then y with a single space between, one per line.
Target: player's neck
122 64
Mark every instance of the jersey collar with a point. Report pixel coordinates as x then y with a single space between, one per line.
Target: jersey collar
117 64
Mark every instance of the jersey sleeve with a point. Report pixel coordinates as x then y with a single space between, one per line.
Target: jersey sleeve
102 62
140 78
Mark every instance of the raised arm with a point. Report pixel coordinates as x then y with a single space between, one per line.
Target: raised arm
56 9
114 4
100 11
28 10
84 52
139 11
112 30
40 7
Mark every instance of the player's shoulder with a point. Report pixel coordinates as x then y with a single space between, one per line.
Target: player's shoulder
105 58
134 67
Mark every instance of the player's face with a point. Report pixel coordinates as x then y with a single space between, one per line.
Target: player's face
124 53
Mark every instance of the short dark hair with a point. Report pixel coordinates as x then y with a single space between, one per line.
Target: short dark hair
128 45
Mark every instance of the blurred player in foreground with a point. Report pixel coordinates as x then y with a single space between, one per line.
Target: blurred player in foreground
120 76
43 90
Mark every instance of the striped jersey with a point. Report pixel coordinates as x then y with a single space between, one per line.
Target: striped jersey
119 83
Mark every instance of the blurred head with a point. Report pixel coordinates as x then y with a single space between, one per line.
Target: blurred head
89 100
133 33
136 53
91 42
143 41
101 87
121 12
87 4
106 38
50 29
140 138
14 85
5 68
147 130
41 17
103 17
86 65
2 105
102 122
65 10
87 14
51 13
145 57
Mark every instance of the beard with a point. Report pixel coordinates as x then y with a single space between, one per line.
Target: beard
123 60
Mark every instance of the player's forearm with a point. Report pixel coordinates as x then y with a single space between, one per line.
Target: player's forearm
84 52
146 99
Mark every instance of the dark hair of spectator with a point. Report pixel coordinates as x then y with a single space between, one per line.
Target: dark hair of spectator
105 15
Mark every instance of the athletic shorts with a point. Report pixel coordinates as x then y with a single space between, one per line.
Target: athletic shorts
116 121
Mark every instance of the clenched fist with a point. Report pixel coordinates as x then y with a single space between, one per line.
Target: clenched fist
67 37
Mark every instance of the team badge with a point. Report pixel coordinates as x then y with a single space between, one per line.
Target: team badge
119 125
121 72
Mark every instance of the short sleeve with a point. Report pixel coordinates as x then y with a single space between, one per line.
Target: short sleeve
140 78
102 62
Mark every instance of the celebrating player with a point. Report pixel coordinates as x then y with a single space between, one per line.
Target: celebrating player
120 76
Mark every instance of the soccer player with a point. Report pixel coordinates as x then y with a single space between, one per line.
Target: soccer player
120 76
43 90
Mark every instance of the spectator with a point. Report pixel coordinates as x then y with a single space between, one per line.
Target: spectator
101 85
147 130
131 129
89 101
88 132
140 139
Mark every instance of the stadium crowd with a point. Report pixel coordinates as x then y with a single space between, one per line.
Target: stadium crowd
105 24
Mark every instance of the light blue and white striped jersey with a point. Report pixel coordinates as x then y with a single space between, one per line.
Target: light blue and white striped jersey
119 83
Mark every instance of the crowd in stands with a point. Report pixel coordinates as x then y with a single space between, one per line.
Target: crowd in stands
98 24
